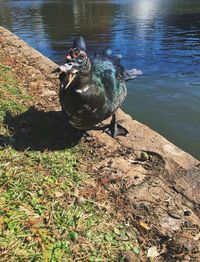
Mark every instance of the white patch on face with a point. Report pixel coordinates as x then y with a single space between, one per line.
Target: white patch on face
64 68
68 66
94 110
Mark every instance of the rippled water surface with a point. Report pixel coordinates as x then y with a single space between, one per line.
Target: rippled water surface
162 38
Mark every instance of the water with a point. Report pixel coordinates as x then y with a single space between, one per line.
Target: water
162 38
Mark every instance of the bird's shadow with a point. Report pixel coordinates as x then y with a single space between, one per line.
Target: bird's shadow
40 131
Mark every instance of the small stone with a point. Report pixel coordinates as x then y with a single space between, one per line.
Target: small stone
144 156
187 213
177 214
28 238
152 252
89 138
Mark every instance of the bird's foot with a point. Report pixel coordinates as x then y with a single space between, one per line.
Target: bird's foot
115 130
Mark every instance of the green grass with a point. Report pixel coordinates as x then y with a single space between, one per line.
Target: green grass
12 97
47 212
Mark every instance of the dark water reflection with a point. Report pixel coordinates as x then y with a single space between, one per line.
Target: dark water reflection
160 37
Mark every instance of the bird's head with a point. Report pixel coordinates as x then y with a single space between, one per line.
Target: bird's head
76 63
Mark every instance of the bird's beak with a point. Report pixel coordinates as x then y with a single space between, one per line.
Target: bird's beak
70 78
69 71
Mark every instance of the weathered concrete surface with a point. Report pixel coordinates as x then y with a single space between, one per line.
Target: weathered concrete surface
163 191
142 138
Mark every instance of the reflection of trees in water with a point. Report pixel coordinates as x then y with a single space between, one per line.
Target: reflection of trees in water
6 17
182 24
100 20
20 16
173 24
180 7
182 29
65 19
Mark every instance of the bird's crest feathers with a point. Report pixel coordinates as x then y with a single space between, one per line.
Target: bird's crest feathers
79 42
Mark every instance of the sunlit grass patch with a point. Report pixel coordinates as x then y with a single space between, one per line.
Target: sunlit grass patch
42 217
12 95
31 185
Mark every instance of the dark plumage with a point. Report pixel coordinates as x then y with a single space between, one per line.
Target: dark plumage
91 90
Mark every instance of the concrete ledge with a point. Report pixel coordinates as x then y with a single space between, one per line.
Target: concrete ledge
142 138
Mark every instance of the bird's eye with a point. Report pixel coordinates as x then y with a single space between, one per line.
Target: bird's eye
81 56
75 55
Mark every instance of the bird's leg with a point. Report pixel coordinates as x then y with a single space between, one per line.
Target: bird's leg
114 129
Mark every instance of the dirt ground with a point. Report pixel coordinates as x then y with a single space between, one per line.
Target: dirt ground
158 197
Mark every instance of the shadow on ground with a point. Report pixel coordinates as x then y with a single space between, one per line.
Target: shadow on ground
39 130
